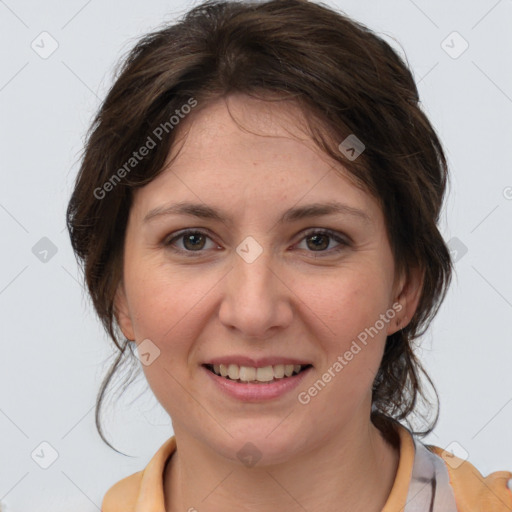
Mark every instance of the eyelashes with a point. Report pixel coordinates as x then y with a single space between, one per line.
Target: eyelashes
192 235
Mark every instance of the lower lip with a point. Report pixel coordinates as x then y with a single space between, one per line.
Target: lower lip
248 392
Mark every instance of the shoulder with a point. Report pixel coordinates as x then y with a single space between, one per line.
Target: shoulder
143 489
473 492
122 496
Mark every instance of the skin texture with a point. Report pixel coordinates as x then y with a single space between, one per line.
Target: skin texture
294 300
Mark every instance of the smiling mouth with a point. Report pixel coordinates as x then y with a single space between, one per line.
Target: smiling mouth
253 375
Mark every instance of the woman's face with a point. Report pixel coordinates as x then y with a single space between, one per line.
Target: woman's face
263 287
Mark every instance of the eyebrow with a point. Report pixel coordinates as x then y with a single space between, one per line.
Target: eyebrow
204 211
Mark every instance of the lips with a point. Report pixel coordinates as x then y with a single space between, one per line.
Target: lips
256 391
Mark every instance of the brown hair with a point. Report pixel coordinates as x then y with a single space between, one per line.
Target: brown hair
348 81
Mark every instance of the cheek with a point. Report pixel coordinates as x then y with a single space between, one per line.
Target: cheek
162 298
348 312
168 307
349 303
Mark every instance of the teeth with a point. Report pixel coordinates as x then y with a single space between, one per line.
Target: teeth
279 371
247 374
233 371
250 374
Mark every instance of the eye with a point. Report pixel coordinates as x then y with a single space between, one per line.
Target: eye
193 241
320 240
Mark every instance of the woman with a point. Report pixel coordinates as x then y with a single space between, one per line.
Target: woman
257 212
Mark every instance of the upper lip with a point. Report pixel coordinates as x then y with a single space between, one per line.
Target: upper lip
256 362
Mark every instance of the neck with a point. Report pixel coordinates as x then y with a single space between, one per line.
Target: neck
353 471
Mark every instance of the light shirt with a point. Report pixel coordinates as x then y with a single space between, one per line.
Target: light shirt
428 479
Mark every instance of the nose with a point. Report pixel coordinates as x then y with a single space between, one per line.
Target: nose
257 301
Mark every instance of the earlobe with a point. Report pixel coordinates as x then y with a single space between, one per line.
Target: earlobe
122 313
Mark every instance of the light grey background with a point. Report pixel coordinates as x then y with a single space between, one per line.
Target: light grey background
54 351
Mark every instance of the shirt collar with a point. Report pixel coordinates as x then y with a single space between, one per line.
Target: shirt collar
151 490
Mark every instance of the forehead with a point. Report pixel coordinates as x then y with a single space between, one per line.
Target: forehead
252 154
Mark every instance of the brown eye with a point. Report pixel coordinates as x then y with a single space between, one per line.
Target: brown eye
192 241
319 240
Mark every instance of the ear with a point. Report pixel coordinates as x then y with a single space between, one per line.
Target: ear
122 313
407 293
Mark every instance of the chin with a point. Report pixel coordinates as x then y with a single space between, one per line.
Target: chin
258 443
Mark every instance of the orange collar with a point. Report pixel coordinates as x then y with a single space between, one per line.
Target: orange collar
144 491
151 494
